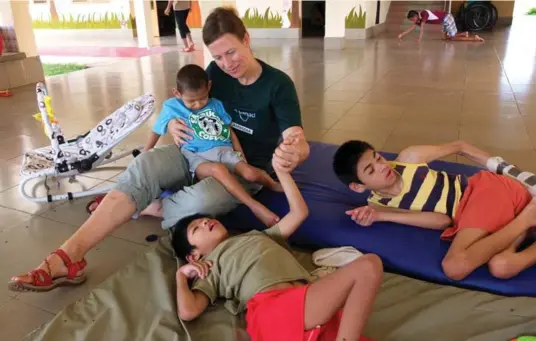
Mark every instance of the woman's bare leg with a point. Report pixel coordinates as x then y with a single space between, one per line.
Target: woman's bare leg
352 288
116 208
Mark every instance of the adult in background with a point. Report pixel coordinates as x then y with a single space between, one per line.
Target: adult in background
181 10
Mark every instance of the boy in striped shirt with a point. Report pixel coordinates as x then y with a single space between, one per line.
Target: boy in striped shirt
487 216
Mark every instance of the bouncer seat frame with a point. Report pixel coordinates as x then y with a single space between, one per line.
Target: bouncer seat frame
83 154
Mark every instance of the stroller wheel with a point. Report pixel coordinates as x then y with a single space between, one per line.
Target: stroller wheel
109 156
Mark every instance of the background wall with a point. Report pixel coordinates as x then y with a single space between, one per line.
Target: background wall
69 14
384 10
6 18
259 13
505 8
356 13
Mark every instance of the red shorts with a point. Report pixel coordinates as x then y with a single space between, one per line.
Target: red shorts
489 202
278 315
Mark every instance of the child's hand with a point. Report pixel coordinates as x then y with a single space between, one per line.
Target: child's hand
400 36
196 269
364 215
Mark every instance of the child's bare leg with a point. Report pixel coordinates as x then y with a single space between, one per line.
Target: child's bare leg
510 263
253 174
474 247
352 288
220 172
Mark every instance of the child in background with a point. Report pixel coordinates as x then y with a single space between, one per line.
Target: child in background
450 31
214 150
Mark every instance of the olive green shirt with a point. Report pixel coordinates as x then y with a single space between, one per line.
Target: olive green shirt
248 263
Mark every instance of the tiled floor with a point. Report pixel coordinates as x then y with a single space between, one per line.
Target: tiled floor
390 93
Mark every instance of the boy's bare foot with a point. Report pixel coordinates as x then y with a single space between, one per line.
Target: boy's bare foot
478 38
268 217
154 209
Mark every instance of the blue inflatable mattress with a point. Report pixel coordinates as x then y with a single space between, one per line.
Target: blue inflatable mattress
407 250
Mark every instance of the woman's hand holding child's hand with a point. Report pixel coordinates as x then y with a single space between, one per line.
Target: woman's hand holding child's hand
287 154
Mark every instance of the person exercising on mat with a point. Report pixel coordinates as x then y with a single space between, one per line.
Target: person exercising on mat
450 31
487 216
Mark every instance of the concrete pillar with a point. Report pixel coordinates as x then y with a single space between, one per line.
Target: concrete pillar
144 28
22 23
334 25
21 69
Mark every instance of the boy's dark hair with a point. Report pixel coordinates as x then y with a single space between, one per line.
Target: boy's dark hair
346 158
221 21
412 14
179 238
191 77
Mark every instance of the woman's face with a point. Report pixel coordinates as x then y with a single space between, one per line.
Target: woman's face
232 55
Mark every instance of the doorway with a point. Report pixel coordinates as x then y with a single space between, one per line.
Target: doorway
166 24
313 19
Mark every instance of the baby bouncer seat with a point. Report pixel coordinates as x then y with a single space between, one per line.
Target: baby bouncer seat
83 154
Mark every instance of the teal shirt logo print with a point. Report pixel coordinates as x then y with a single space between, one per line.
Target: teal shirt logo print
209 126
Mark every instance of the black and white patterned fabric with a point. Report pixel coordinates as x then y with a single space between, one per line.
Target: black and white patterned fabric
98 141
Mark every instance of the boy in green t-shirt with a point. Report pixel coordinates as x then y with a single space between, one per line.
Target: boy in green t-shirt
256 272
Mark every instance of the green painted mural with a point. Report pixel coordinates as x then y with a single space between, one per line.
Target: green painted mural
270 19
89 21
355 19
253 19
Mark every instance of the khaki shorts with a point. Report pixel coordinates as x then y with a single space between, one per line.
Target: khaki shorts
166 168
225 155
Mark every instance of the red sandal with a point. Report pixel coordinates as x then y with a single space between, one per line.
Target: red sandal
97 200
43 281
